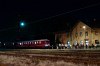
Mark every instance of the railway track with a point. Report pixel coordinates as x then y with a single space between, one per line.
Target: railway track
75 56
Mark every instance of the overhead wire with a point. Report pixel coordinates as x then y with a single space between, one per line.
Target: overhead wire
37 21
93 5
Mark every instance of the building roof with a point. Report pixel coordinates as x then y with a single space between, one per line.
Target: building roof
93 24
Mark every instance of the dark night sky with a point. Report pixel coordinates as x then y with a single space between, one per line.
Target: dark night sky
12 11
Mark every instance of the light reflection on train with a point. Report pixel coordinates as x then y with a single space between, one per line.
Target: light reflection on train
42 43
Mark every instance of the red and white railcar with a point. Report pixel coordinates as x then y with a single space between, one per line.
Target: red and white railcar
42 43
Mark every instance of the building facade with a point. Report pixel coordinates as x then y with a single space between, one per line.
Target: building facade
79 34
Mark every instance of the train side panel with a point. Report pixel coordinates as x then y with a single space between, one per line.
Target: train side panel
44 43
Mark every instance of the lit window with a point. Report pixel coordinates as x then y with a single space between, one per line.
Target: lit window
68 42
86 41
39 42
35 42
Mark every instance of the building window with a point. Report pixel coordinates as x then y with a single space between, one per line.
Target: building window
80 33
86 33
76 34
96 41
96 33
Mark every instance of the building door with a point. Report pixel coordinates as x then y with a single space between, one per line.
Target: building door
87 43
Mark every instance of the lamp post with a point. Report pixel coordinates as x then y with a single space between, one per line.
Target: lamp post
21 28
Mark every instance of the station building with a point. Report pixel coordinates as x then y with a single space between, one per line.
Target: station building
80 33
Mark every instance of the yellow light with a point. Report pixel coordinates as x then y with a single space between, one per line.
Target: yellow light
84 27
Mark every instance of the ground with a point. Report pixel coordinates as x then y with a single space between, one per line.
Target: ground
47 57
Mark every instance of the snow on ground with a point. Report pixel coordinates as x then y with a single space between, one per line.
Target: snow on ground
23 61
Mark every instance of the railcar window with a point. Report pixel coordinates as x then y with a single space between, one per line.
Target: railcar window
35 42
39 42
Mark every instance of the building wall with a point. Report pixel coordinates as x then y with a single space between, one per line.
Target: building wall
96 35
79 33
61 38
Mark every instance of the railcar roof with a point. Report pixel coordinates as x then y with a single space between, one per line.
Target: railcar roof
36 40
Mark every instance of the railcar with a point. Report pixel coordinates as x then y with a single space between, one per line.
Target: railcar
42 43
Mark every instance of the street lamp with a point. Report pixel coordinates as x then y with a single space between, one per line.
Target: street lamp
22 24
84 27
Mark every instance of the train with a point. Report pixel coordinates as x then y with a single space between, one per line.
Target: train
39 44
42 43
